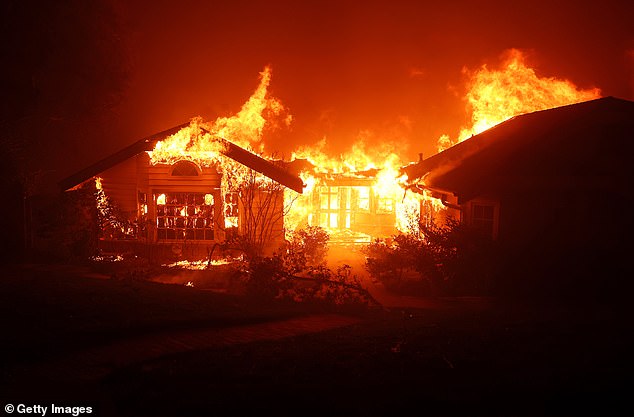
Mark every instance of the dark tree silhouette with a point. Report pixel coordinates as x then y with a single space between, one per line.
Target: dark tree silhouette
64 67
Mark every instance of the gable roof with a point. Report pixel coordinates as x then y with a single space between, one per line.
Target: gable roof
231 150
592 139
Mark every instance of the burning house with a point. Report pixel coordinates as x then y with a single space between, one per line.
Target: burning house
188 202
351 206
553 187
201 184
184 186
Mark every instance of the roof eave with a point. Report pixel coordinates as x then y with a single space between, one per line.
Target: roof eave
231 150
262 166
145 144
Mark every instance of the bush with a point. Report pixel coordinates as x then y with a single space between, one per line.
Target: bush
266 277
306 248
299 274
452 259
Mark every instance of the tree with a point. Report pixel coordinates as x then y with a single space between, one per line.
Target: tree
261 208
61 60
63 68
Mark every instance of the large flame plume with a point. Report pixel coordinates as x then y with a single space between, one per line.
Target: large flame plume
199 141
494 96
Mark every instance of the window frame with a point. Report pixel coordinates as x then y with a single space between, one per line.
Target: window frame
488 225
198 223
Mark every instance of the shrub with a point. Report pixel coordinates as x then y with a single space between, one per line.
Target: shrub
449 259
266 277
306 248
339 287
299 274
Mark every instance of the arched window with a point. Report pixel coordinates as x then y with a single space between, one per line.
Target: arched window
184 169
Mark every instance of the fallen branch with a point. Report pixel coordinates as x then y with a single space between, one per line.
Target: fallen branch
357 287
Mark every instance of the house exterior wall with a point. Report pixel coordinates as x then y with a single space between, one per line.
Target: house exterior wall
119 184
140 189
561 238
483 213
263 222
160 181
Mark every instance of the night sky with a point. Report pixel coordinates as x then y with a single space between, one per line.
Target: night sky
381 70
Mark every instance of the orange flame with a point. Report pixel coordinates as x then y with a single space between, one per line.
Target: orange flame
493 96
380 163
198 141
497 95
201 142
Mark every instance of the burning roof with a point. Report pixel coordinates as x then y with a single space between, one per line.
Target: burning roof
583 140
228 149
378 167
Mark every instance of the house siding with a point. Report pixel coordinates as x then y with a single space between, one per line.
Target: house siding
119 184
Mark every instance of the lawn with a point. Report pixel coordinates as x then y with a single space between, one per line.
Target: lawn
50 309
459 358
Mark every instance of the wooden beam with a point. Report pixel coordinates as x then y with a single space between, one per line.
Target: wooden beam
145 144
262 166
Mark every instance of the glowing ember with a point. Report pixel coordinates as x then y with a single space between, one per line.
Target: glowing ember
198 265
497 95
102 258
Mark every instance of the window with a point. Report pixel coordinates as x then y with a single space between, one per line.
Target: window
363 198
329 198
184 169
185 216
385 205
231 210
483 217
329 207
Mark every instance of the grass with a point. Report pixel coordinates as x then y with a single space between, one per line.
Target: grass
462 358
45 311
440 363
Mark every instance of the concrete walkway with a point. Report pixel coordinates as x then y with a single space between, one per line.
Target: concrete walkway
94 364
339 256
